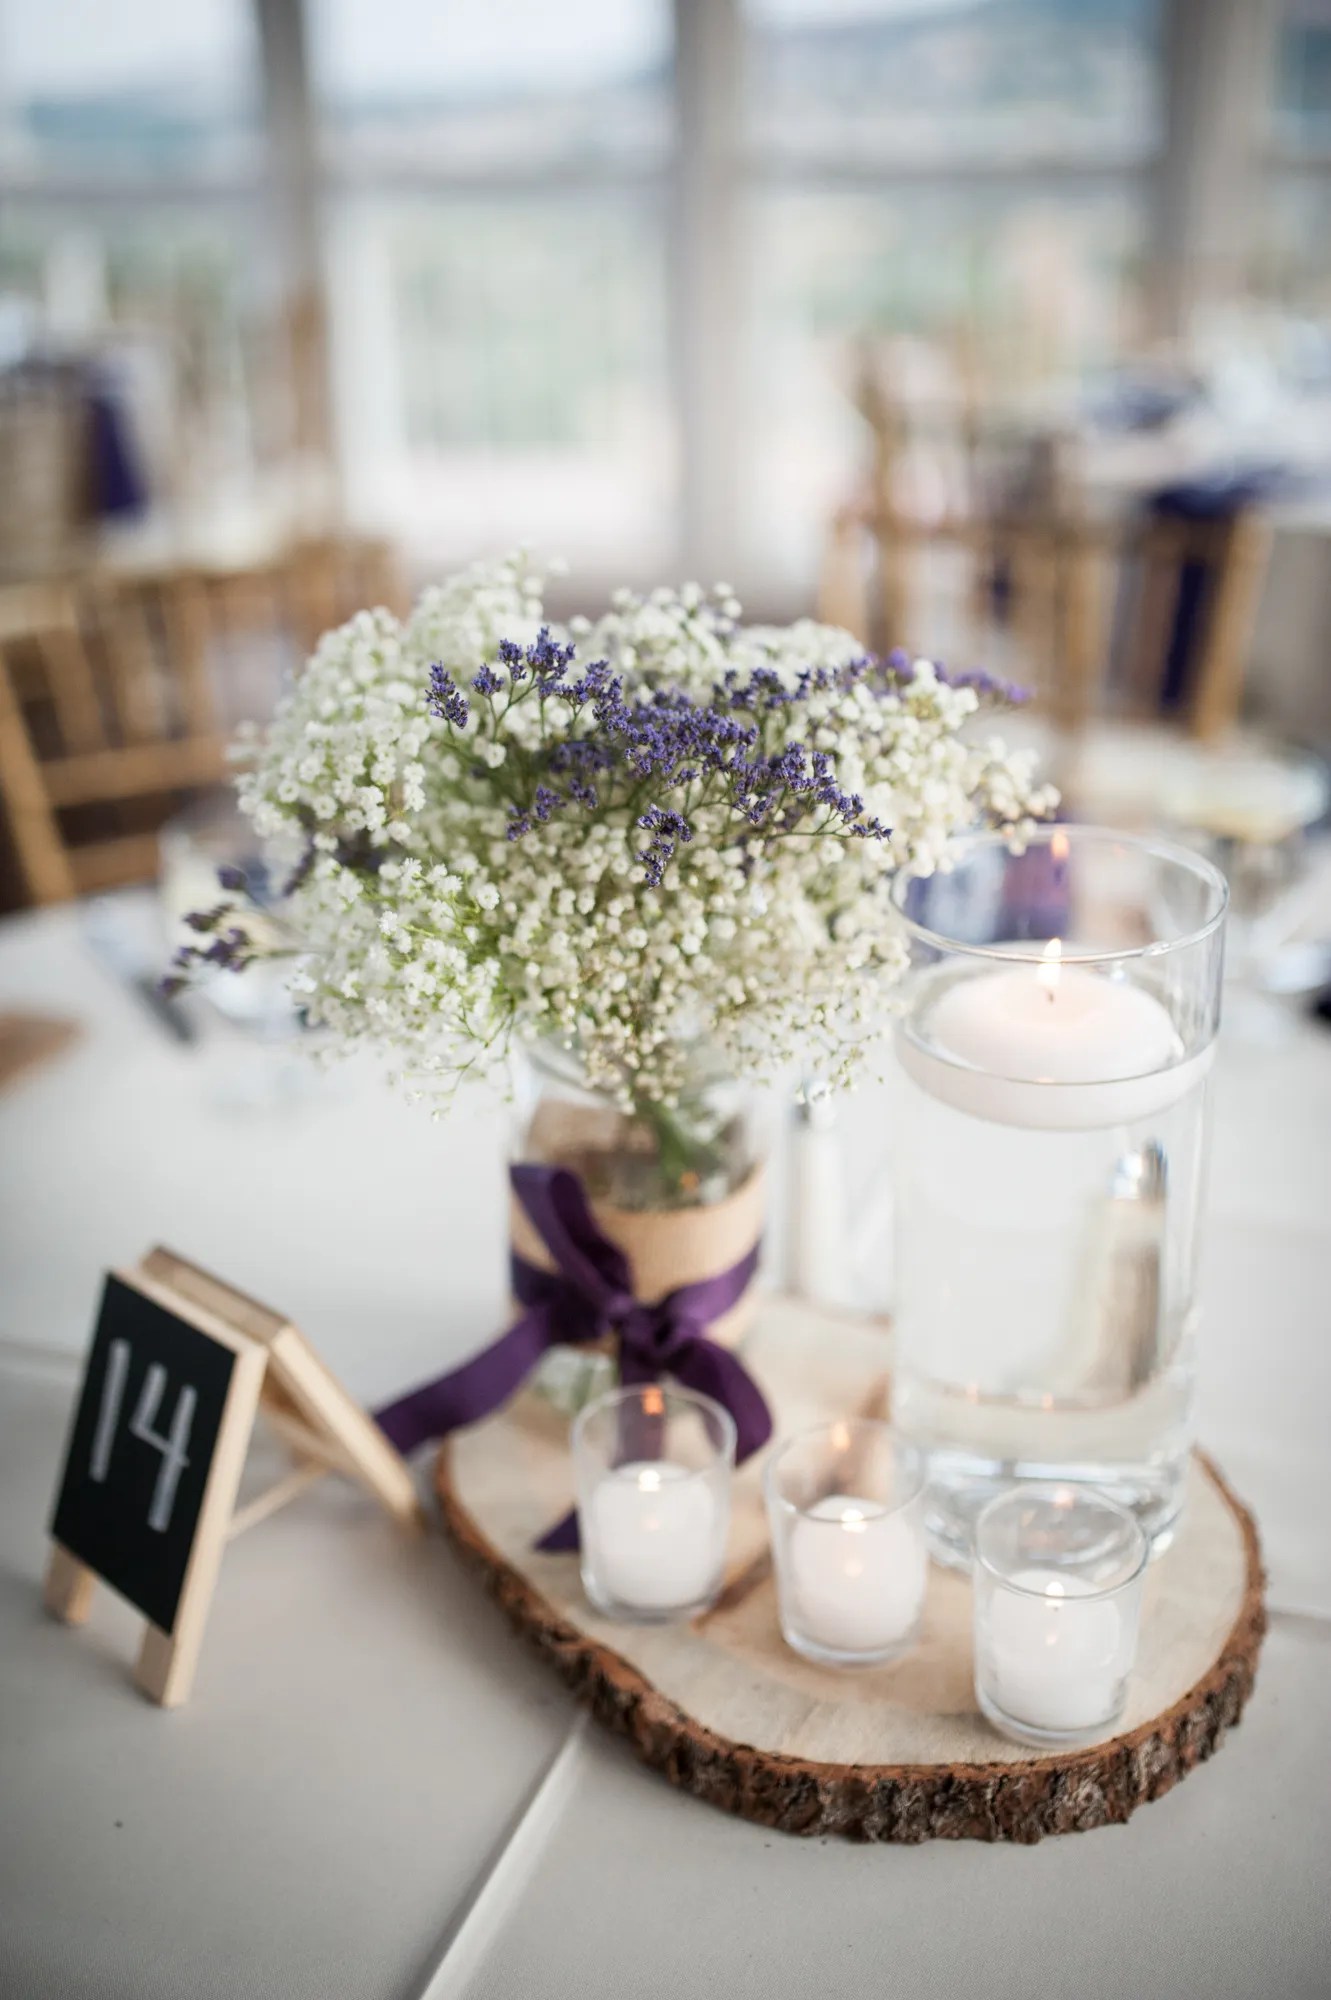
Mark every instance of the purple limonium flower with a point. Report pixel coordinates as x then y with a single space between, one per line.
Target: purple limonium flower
446 699
989 685
544 660
231 949
302 870
663 749
670 830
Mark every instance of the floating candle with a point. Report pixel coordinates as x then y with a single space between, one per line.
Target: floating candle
1047 1044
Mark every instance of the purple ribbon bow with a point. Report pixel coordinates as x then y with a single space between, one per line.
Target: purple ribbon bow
587 1296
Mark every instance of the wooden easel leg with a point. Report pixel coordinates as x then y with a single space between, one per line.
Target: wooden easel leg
69 1587
295 1483
165 1670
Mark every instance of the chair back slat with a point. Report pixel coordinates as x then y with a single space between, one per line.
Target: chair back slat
72 682
188 623
34 828
136 683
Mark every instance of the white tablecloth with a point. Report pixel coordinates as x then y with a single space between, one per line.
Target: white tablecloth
373 1792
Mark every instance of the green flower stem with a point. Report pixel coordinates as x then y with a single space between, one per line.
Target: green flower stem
688 1159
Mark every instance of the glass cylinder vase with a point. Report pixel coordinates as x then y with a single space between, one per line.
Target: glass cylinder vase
1053 1059
678 1188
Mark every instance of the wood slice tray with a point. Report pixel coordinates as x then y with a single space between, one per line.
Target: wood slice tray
899 1753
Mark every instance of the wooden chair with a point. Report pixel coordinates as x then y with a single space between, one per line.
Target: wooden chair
1090 613
1085 612
113 697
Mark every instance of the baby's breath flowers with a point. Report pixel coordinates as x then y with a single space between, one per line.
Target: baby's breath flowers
661 830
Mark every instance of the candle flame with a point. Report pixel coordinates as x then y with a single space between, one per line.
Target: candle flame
653 1402
649 1480
1058 845
1049 970
852 1518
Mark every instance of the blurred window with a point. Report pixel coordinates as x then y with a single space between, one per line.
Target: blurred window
504 86
1294 267
499 270
966 175
1303 87
91 88
969 288
131 150
945 82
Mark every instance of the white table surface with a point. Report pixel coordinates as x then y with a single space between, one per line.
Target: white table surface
373 1791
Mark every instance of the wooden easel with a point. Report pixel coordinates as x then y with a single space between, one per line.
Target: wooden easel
277 1371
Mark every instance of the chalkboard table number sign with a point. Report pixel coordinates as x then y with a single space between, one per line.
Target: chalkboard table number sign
180 1366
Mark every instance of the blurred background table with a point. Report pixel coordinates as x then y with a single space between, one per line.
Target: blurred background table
373 1788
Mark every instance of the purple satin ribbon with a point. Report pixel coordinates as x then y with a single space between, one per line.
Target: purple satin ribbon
587 1296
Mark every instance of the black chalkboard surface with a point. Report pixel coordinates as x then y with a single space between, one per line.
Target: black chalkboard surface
146 1426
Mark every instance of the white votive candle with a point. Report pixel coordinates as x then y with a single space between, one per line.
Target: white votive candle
857 1575
1054 1654
655 1536
995 1043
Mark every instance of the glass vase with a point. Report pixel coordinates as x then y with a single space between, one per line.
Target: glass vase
679 1189
1053 1060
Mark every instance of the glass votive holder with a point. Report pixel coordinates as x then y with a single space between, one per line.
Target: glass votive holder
652 1465
1058 1579
846 1513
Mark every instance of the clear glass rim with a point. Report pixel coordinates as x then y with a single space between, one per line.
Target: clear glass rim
903 1453
693 1399
1030 1491
963 846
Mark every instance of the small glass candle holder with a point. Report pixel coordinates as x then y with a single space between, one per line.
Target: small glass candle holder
1058 1579
653 1466
845 1509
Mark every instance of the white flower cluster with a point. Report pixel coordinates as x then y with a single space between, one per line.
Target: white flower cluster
432 932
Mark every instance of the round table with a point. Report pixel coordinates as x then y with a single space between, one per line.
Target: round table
373 1791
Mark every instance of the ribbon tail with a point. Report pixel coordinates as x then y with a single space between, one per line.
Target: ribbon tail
714 1371
470 1392
563 1537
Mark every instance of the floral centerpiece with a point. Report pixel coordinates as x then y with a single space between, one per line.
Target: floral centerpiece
632 838
657 844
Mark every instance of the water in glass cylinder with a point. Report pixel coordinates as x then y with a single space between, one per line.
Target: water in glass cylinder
1046 1286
